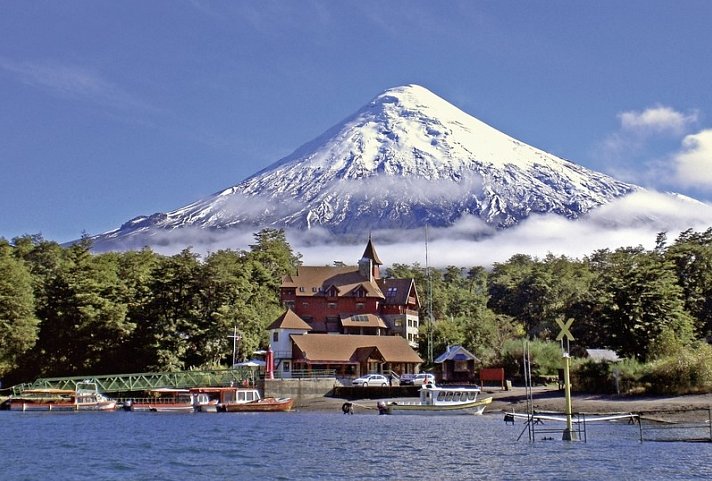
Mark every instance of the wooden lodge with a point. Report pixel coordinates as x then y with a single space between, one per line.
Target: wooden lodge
346 318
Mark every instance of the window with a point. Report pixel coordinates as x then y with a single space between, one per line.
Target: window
275 336
314 289
305 305
331 305
245 396
392 291
289 305
360 306
286 366
301 289
398 323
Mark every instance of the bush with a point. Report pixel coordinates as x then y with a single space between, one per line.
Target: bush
687 371
592 376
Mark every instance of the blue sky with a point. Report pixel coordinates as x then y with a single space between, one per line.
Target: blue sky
110 110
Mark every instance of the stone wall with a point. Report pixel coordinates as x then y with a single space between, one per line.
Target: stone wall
298 389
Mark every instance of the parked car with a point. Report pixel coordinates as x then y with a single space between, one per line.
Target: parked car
423 378
370 380
417 379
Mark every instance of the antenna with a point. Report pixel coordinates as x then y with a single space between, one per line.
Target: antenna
235 337
429 300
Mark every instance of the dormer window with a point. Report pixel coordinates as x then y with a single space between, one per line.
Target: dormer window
392 291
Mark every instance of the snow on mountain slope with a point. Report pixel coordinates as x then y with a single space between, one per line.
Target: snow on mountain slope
406 159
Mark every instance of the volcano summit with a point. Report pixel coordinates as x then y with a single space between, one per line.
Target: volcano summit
406 159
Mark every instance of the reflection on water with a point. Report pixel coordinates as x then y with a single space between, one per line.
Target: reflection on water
326 446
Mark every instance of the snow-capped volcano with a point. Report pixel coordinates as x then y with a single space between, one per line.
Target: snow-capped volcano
405 159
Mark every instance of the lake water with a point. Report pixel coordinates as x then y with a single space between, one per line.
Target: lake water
325 446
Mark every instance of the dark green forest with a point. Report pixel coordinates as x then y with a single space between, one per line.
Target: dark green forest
66 311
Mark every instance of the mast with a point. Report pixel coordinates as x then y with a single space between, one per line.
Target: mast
429 288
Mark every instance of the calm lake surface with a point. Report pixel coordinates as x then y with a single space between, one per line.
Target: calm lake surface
325 446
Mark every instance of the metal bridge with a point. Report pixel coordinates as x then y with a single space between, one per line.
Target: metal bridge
113 383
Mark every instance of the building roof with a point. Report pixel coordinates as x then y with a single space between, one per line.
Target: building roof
456 353
316 280
362 320
343 348
397 291
290 320
602 355
370 253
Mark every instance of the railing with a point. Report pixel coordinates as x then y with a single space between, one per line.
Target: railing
147 380
309 374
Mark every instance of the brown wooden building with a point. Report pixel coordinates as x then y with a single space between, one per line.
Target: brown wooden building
347 318
354 299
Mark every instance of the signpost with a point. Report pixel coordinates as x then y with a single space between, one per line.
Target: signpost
569 434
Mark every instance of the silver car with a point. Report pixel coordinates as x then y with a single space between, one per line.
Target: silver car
370 380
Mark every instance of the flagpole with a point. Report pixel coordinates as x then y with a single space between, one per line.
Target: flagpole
234 345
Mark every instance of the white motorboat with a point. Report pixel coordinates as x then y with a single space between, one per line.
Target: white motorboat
439 400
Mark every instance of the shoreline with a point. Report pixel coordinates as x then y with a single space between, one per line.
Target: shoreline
546 399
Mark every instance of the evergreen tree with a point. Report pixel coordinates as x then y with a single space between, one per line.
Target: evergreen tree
691 255
18 323
636 298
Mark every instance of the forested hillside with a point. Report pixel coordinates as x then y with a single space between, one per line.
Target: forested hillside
66 311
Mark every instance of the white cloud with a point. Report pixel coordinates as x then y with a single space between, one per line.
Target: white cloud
638 128
694 163
630 221
72 81
655 120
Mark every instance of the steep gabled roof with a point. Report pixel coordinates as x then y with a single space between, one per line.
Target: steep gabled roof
397 291
340 348
290 320
370 253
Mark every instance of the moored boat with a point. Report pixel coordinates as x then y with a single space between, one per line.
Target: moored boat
44 400
85 397
212 399
439 400
163 400
249 400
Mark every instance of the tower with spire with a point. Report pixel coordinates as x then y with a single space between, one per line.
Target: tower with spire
369 265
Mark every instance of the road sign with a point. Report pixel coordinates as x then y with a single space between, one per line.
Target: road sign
565 330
